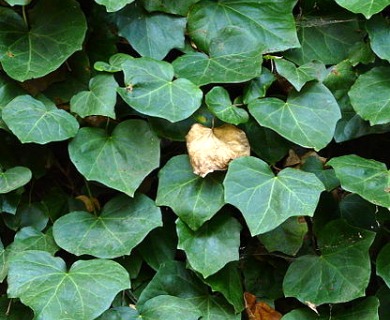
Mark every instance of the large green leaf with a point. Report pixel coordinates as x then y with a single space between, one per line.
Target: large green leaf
232 56
368 178
340 274
151 90
120 160
56 30
100 100
174 7
14 178
123 223
383 264
114 5
194 199
266 200
307 118
43 283
38 121
212 246
269 22
370 95
378 31
367 8
151 34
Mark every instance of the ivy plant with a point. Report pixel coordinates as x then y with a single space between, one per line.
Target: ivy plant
102 213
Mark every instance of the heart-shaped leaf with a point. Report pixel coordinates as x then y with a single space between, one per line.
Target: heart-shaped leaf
204 196
151 90
370 95
120 160
368 178
340 274
123 223
367 8
136 25
14 178
38 121
307 118
378 31
100 100
56 30
212 246
114 5
43 283
267 200
233 56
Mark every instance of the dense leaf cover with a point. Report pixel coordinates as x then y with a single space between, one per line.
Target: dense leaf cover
102 215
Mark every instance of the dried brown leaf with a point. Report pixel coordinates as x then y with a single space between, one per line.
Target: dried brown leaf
259 310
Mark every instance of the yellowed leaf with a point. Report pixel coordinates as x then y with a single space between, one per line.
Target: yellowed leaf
212 149
259 310
91 204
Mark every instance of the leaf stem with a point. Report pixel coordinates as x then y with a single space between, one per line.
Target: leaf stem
90 196
25 15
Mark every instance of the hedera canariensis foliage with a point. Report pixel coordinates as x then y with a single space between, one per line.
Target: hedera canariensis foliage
194 159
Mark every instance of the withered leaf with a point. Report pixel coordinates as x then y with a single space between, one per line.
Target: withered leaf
259 310
212 149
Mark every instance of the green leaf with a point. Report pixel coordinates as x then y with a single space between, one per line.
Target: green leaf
219 103
43 283
123 223
8 91
212 246
56 30
367 8
38 121
368 178
114 64
270 23
383 264
100 100
194 199
151 90
28 215
287 238
151 34
327 176
299 76
266 200
120 160
18 2
378 31
14 178
119 313
370 95
340 274
181 7
233 56
257 88
307 118
114 5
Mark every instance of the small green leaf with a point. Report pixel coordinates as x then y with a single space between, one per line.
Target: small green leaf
307 118
151 90
114 64
28 215
114 5
327 176
340 274
120 160
257 88
212 246
120 313
180 7
267 200
383 264
100 100
38 121
367 8
368 178
123 223
203 196
43 283
14 178
378 31
151 35
219 103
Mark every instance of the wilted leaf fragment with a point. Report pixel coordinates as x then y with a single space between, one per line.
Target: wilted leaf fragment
14 178
212 149
259 310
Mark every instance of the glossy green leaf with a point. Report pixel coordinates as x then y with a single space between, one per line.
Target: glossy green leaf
327 176
38 121
14 178
100 100
18 2
203 196
367 8
114 5
43 283
307 118
56 30
270 23
174 7
120 160
151 35
266 200
378 31
370 95
219 103
151 90
212 246
122 224
340 274
257 88
368 178
233 56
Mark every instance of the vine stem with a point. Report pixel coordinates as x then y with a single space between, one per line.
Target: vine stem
24 15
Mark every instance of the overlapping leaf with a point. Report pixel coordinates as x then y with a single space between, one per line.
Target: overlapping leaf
367 8
114 5
383 264
378 31
14 178
169 6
